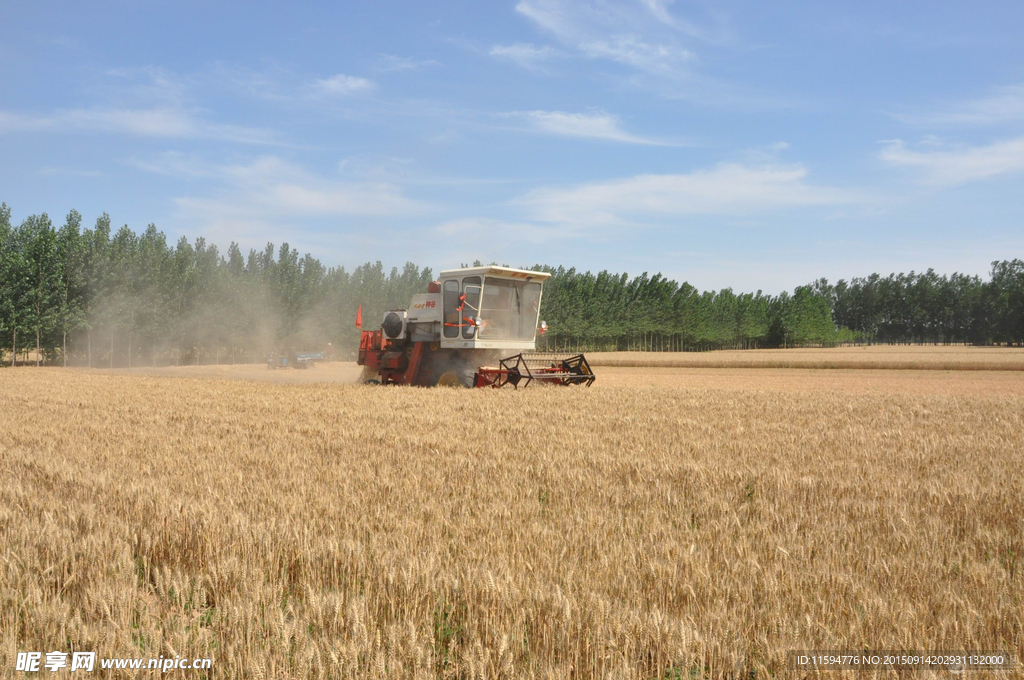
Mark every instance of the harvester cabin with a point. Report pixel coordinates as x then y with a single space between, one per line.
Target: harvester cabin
490 307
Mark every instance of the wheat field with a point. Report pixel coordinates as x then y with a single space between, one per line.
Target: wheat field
885 357
992 383
633 530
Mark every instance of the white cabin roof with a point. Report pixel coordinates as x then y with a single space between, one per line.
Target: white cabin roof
500 272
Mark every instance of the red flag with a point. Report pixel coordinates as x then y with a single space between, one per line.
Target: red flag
359 317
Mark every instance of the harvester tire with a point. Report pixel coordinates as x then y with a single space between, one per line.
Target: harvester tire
372 381
449 379
448 367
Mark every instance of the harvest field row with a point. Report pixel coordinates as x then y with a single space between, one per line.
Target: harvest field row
855 381
628 530
887 357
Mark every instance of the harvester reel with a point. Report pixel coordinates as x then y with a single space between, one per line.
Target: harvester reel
544 368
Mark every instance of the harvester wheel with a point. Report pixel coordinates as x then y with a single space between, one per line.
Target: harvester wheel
372 381
448 367
449 379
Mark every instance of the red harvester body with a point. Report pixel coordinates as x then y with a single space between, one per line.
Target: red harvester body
474 327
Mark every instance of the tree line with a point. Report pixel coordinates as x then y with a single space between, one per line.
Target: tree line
613 311
100 297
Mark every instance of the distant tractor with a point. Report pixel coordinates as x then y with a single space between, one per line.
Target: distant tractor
294 360
474 327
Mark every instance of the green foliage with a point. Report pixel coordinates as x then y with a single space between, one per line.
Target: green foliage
449 631
612 311
1004 299
927 307
16 290
121 298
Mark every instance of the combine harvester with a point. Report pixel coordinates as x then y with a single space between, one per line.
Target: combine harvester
463 331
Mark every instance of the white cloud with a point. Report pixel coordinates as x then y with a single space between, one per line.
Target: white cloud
659 9
598 125
272 187
653 44
393 62
155 122
268 198
151 84
485 231
372 167
342 84
17 122
1004 104
525 55
949 166
551 16
151 102
147 123
272 83
55 171
726 189
629 50
765 154
332 198
637 206
614 31
176 164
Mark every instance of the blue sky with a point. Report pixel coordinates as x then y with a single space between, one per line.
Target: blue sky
752 145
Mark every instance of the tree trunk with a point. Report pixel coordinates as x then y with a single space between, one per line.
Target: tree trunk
38 357
88 351
14 348
64 349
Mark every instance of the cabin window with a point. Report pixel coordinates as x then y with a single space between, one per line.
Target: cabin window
452 317
471 305
509 309
531 311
